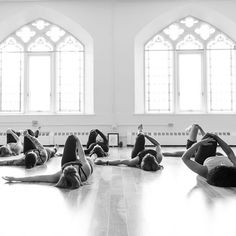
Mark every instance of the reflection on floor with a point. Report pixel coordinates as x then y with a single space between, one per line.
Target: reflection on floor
118 201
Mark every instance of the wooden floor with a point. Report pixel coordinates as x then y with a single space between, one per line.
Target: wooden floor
118 201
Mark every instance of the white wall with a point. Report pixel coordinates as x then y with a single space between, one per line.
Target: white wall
114 26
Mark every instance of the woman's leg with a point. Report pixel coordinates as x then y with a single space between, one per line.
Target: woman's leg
88 151
12 136
92 137
192 136
204 151
52 151
70 150
28 145
104 146
139 145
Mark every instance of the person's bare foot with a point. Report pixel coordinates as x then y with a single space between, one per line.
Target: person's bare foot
56 147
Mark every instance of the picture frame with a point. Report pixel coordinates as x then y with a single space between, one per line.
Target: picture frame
113 139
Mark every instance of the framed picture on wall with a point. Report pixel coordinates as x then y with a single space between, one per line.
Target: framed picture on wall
113 139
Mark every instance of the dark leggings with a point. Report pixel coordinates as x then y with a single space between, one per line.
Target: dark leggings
11 138
139 145
69 153
92 138
205 151
92 142
28 144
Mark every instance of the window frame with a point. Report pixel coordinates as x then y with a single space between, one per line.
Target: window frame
139 41
87 57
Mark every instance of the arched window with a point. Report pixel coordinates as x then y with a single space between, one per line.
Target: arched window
190 67
42 70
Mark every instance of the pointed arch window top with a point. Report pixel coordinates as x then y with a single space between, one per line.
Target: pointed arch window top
29 33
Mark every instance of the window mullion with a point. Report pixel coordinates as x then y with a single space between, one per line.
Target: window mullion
53 83
26 84
204 82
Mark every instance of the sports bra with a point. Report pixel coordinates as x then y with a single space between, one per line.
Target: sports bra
80 169
214 161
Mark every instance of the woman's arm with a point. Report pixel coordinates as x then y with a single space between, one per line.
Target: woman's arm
15 162
192 165
80 151
53 178
173 154
103 136
152 140
226 148
128 162
201 130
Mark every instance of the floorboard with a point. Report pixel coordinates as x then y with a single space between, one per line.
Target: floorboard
118 201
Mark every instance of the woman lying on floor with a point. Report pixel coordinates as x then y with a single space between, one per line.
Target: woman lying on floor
146 159
14 145
74 170
97 143
218 170
34 153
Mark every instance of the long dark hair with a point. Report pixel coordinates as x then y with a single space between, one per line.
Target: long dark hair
30 159
222 176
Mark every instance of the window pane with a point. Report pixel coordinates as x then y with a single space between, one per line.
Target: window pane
199 53
190 73
11 76
221 76
39 82
158 81
70 73
158 75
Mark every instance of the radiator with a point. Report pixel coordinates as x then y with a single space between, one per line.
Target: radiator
60 137
177 138
3 139
46 138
